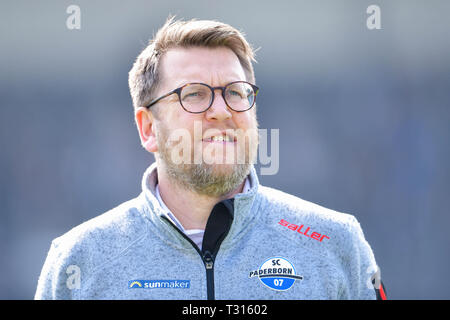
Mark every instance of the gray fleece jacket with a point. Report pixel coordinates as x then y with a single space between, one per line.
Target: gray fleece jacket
263 244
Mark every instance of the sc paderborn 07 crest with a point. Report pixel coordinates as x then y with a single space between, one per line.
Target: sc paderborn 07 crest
276 273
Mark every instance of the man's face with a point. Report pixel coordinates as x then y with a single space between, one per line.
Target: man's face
210 166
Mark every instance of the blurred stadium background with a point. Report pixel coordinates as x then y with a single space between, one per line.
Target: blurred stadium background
363 116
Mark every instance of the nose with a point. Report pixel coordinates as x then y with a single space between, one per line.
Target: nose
219 110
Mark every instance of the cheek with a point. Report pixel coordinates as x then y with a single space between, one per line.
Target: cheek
246 120
191 126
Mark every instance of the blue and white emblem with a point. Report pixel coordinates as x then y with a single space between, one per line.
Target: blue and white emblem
276 273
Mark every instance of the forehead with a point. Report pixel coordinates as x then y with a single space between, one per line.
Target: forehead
214 66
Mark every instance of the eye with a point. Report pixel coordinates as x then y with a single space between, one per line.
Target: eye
194 94
235 94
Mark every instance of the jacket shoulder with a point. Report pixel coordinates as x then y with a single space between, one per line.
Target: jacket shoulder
343 244
89 246
292 208
120 224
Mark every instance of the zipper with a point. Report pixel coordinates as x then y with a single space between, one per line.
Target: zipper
207 258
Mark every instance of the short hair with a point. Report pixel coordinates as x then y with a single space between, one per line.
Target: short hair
144 76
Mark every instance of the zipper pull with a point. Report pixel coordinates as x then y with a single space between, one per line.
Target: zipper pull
208 260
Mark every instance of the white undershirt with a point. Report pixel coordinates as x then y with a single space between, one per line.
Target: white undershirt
196 235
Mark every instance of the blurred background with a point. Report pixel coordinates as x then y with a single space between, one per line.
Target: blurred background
363 117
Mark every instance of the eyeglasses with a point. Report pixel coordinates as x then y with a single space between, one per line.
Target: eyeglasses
239 96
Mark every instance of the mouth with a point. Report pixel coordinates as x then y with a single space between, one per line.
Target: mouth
223 137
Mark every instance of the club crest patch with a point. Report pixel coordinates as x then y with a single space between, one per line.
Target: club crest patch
276 273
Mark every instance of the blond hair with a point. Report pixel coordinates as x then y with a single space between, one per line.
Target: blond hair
144 76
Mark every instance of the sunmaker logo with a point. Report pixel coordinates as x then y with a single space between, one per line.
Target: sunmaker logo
159 284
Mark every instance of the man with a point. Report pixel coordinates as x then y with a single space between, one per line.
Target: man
203 227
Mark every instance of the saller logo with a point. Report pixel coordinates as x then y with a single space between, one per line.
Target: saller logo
277 274
299 228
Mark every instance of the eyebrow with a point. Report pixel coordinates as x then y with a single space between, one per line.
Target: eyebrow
183 82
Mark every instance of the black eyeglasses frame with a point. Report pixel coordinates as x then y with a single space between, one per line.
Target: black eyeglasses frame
178 92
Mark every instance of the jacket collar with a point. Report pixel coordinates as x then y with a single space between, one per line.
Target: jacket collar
244 203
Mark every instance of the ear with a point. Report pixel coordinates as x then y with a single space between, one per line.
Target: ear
145 124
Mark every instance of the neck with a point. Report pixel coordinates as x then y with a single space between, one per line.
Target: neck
190 208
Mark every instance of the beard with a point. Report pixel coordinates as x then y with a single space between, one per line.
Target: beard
210 179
